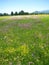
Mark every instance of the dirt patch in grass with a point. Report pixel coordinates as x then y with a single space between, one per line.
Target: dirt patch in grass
24 17
25 25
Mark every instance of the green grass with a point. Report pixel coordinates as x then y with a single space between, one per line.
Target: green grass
24 41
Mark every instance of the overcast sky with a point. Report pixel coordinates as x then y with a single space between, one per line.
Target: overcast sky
26 5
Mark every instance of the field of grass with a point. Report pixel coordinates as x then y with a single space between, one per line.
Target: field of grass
24 40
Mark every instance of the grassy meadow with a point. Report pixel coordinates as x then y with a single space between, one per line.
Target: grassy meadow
24 40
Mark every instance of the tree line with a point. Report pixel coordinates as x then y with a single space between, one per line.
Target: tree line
21 13
16 13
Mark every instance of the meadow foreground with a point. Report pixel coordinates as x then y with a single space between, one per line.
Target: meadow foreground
24 40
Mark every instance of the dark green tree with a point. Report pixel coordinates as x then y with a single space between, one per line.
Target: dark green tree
12 13
21 12
16 13
5 14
